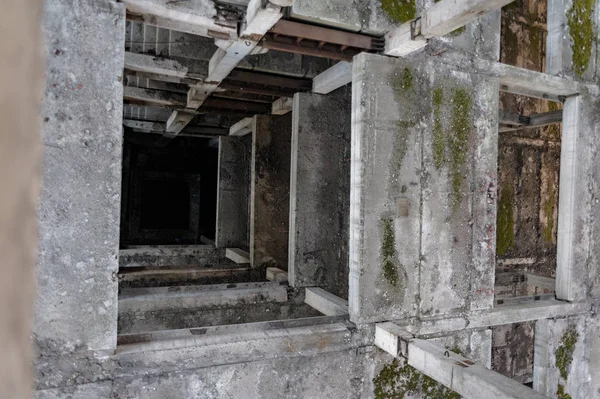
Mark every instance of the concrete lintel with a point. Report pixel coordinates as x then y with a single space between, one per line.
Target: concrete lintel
325 302
237 255
198 93
242 127
282 106
154 96
332 79
448 15
399 41
464 376
530 311
201 15
276 274
174 67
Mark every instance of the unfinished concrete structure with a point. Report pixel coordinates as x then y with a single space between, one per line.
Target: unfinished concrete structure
297 198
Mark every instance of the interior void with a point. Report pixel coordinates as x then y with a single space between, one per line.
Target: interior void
529 148
169 192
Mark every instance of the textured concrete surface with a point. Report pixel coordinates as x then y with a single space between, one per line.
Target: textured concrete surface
414 127
233 191
80 203
269 190
320 191
560 358
165 255
512 351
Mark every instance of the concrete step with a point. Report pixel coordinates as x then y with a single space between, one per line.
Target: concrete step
164 308
166 255
172 339
134 277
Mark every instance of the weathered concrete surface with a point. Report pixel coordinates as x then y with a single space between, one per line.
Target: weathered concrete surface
98 390
233 191
80 204
320 191
155 256
269 190
512 351
572 46
422 217
560 364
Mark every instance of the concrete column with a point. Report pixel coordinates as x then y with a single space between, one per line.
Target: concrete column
319 191
561 358
577 269
269 190
233 191
422 213
76 309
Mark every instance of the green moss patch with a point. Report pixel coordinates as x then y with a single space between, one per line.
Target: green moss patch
395 382
561 394
399 10
403 81
549 205
564 353
581 29
388 252
458 141
505 235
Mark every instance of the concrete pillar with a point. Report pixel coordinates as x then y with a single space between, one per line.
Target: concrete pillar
571 45
319 191
422 213
269 190
577 269
561 358
233 191
76 309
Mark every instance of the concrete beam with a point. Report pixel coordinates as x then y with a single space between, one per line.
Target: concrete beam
462 375
169 256
282 106
150 96
260 17
174 67
528 83
242 127
325 302
200 17
400 41
446 16
332 79
237 255
177 122
276 274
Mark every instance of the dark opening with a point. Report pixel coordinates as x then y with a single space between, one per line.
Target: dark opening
165 205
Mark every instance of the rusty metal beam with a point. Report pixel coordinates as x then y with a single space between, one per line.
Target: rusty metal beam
276 43
303 31
268 79
235 105
246 88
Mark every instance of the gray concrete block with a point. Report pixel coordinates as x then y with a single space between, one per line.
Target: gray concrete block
80 202
269 190
415 245
320 192
233 190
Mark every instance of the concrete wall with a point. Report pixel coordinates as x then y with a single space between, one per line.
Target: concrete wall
269 190
233 191
80 204
422 216
320 191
